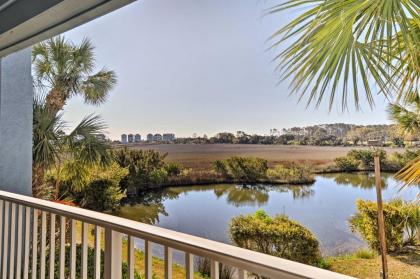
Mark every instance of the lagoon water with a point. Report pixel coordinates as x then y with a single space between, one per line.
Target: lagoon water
324 207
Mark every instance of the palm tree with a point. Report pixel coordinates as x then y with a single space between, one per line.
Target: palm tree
51 145
348 47
63 70
407 118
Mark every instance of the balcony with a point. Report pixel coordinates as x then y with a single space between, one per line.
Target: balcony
33 233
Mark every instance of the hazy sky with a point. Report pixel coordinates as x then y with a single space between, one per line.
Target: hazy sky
197 66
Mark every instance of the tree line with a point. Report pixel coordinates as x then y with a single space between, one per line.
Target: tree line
338 134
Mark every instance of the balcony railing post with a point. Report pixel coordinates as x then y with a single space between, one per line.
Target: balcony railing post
5 239
73 254
1 233
189 266
168 262
242 274
62 247
113 262
131 257
214 272
12 241
148 259
97 252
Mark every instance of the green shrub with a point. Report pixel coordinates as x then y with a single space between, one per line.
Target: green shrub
221 168
366 157
278 236
346 164
365 254
93 187
146 168
293 174
242 169
402 159
401 219
173 169
101 195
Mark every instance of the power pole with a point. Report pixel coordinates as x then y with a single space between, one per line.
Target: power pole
381 223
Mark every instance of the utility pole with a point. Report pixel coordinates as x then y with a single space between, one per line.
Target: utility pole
381 223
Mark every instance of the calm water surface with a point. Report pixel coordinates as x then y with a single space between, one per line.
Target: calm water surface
323 207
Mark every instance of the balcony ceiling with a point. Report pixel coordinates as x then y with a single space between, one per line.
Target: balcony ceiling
26 22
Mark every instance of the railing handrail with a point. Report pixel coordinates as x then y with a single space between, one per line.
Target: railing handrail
227 254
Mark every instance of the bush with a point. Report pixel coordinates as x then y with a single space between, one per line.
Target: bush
402 159
101 195
292 174
362 159
365 254
242 169
366 157
221 168
402 219
173 169
146 168
346 163
278 236
93 187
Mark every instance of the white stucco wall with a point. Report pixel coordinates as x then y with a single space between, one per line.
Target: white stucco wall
16 96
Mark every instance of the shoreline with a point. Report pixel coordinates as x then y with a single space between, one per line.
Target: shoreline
183 183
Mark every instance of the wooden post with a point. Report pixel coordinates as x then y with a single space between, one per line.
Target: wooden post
381 224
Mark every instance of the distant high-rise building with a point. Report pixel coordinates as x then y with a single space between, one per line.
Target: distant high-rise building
130 138
137 138
149 137
168 137
124 138
157 137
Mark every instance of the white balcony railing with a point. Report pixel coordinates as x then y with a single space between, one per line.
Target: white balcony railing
28 235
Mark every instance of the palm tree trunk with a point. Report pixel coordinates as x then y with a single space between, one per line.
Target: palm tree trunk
56 99
38 173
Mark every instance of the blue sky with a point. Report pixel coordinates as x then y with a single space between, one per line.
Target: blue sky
197 66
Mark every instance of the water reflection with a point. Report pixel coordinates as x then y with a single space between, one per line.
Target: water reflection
363 180
150 205
242 195
323 207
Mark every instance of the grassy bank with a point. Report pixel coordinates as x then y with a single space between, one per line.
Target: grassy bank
211 164
368 266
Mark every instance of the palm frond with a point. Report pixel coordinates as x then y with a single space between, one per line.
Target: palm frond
406 114
410 174
346 47
96 87
47 133
84 144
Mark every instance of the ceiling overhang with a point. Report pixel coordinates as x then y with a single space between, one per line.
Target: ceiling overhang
27 22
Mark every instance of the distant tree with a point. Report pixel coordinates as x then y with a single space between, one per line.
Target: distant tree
225 138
